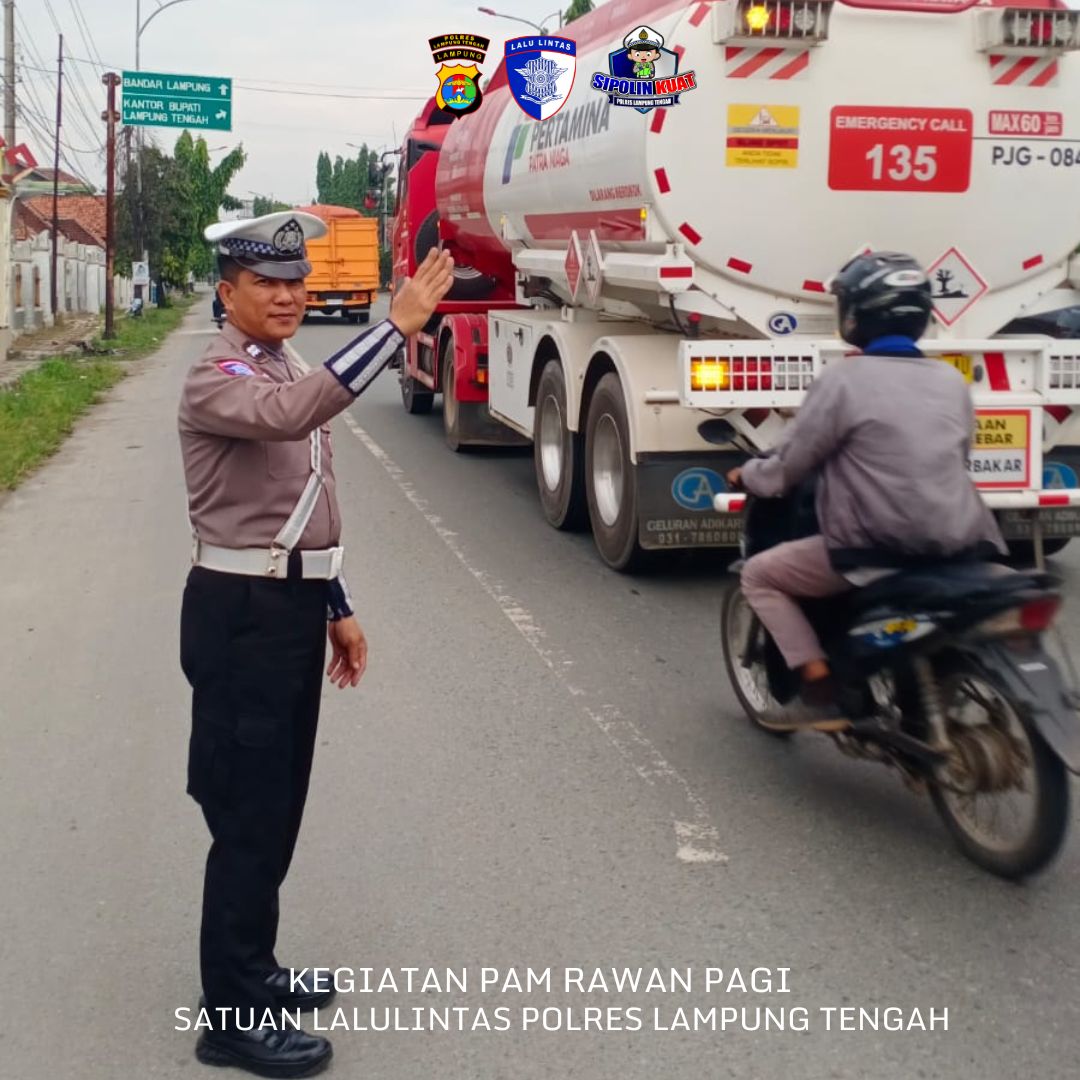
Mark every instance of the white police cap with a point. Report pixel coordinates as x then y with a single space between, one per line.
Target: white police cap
272 246
643 37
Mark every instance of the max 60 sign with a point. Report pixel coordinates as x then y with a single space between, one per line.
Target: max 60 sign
189 101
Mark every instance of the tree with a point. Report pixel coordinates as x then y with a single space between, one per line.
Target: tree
576 9
181 195
263 205
324 175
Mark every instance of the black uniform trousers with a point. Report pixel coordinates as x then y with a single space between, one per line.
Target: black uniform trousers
253 650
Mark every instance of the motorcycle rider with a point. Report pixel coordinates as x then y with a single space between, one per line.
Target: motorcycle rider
887 433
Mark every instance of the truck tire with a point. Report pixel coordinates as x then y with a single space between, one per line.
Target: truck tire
451 407
415 396
558 459
1023 551
611 478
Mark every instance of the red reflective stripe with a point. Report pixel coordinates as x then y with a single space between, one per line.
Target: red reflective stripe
699 14
766 56
789 71
1035 260
679 51
690 233
1060 413
996 371
662 181
1054 500
659 116
1021 67
813 286
756 417
740 265
1044 78
676 271
731 52
624 224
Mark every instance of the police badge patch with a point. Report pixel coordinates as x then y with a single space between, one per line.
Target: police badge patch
289 239
459 83
540 70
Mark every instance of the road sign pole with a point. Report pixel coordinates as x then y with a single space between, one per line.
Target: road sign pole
111 116
53 290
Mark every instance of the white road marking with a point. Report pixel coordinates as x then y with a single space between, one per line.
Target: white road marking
696 836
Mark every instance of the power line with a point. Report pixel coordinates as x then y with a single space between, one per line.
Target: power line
85 33
87 125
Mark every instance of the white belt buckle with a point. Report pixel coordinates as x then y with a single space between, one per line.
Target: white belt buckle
276 569
337 562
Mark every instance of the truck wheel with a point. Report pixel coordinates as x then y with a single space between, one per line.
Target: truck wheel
557 454
1023 551
451 407
611 477
415 396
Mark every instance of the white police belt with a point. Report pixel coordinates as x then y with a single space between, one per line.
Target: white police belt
273 562
269 562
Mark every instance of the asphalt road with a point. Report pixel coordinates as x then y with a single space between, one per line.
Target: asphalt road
543 768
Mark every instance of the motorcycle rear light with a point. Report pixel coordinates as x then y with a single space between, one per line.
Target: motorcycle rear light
1040 614
1030 618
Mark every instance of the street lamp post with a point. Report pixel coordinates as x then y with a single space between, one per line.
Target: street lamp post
140 26
538 27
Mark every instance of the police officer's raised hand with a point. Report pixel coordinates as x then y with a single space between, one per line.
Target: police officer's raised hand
414 303
349 660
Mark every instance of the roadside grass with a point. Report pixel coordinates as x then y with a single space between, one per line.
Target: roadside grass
39 410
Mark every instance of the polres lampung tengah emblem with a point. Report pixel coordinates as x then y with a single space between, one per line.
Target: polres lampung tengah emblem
540 70
459 83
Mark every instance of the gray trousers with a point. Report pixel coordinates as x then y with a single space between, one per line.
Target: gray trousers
770 580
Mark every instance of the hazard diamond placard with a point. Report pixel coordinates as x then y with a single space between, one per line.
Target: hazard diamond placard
956 286
572 265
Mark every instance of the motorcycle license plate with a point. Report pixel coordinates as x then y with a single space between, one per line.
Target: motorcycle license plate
963 363
335 301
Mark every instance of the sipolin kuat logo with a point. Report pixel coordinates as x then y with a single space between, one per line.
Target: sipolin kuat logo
643 75
459 83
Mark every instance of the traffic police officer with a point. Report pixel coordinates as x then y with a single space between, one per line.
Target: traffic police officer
266 580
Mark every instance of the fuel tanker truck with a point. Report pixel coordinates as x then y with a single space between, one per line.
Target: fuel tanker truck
658 251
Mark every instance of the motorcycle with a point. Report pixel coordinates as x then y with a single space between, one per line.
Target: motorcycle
943 674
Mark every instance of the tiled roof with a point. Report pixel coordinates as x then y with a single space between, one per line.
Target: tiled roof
87 211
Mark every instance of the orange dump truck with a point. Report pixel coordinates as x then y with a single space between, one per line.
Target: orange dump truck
344 264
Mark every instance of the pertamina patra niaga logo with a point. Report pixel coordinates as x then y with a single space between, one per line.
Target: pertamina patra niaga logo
459 57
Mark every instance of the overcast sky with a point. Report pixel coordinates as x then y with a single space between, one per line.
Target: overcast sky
346 47
285 56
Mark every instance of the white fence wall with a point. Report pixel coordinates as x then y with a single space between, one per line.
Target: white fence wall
80 274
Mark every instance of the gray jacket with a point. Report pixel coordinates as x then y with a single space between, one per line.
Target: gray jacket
889 437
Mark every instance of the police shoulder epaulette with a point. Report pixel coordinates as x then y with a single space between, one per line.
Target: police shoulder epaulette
256 352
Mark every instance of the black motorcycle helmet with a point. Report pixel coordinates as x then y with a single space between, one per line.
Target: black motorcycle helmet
882 293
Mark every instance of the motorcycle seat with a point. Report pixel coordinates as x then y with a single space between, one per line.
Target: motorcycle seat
941 585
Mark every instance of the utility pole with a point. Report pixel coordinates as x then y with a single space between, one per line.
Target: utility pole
9 73
56 177
111 118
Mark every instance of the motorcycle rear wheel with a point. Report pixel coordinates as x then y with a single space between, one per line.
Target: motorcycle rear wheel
1006 756
750 683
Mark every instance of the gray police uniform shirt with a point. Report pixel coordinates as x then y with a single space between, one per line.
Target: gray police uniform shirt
245 416
890 436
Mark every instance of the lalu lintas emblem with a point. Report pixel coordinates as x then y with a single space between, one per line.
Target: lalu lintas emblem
540 70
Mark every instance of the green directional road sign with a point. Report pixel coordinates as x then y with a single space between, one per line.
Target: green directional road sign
191 101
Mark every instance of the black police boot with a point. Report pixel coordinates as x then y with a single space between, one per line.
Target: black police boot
266 1051
307 991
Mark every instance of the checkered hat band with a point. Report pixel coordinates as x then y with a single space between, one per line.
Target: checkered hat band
258 249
